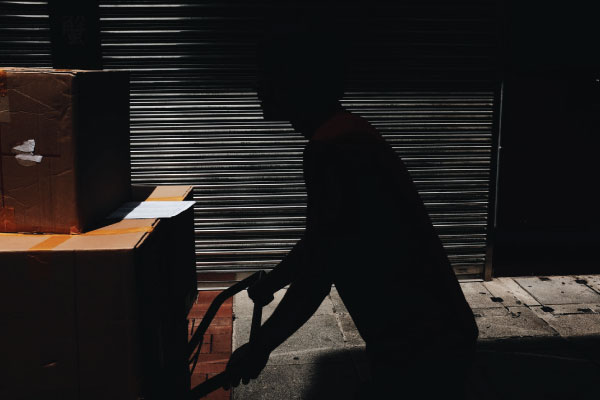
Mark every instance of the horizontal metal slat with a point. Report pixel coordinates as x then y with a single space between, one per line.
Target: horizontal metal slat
195 121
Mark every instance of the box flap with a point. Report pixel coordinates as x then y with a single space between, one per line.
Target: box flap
122 235
170 193
161 193
10 242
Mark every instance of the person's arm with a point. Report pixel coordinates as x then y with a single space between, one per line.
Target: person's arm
310 261
300 302
307 270
302 299
262 291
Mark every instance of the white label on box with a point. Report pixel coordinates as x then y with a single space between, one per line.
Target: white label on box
151 209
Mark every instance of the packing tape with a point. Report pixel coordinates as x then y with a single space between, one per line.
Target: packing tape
118 231
50 243
54 240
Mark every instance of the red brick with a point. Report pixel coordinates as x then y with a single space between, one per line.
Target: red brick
221 344
206 342
215 276
217 321
216 348
193 325
206 296
199 312
212 358
228 307
210 367
206 346
205 306
221 321
198 378
217 327
220 330
219 394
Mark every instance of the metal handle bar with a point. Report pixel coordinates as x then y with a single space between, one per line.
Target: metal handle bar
195 343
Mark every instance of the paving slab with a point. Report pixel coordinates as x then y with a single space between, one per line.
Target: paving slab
563 309
592 281
558 290
244 304
308 356
478 296
326 358
510 322
325 380
338 304
490 312
571 324
319 332
510 292
349 332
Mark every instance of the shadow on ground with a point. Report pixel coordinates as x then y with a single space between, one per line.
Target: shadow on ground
542 368
524 368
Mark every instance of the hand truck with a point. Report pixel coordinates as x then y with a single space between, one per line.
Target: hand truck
195 342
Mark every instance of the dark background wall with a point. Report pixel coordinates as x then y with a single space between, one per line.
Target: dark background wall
547 202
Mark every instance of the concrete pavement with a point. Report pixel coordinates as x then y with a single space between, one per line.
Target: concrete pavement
539 339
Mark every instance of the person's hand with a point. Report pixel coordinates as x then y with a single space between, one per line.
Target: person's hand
245 363
260 293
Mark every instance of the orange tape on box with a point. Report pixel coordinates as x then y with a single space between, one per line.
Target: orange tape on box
55 240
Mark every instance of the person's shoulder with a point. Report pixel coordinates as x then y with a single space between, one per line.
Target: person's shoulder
344 127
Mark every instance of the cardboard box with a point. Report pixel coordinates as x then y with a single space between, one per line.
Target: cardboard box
64 144
181 282
98 315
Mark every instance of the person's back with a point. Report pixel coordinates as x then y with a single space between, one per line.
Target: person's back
380 248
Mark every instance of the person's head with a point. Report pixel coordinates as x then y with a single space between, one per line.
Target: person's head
300 72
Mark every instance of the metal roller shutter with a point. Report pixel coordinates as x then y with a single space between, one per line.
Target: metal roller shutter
421 71
25 34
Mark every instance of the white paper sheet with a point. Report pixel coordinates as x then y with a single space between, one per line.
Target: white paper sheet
151 209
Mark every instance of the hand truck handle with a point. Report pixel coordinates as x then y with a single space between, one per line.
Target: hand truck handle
217 381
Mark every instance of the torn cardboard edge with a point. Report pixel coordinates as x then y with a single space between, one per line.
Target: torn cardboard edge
4 105
24 153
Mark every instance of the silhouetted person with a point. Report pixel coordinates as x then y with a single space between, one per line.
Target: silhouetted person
367 232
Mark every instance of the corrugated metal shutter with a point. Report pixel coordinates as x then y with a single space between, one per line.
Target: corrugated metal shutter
419 70
25 34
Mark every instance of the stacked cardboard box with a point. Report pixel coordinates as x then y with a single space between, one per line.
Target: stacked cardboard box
101 315
64 148
89 308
